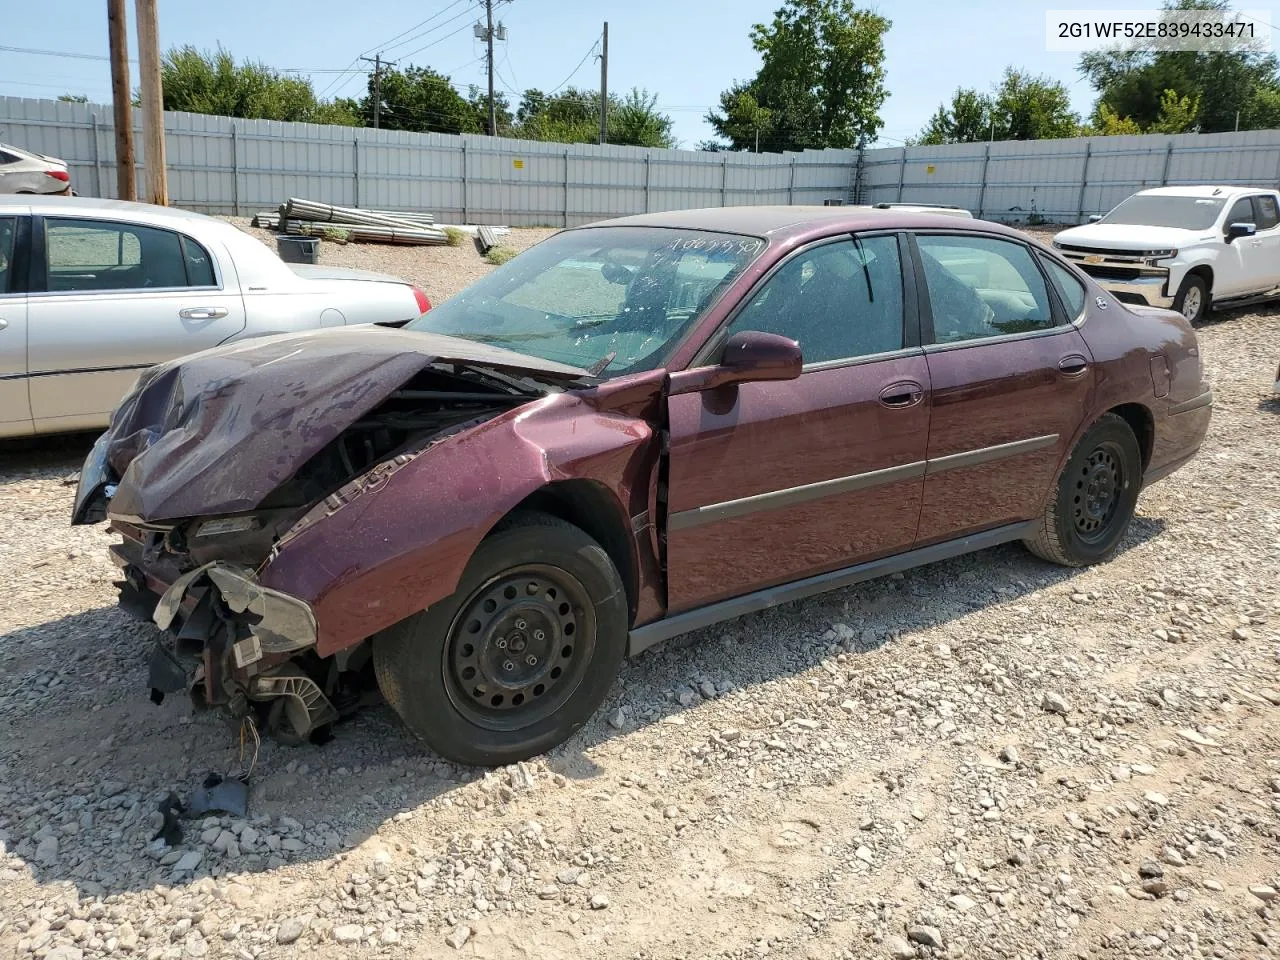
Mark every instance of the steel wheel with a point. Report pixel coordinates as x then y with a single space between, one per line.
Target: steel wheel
1099 483
519 647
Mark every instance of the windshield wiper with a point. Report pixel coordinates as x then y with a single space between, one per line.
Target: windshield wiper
602 364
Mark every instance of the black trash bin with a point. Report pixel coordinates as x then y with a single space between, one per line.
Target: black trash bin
298 249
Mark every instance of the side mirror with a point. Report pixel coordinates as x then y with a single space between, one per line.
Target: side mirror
1240 229
747 357
1095 217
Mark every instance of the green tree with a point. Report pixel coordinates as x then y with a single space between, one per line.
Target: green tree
1222 85
1019 107
820 82
205 82
1177 114
635 121
573 116
72 98
422 100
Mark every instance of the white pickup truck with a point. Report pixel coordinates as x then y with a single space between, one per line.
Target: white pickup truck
1189 248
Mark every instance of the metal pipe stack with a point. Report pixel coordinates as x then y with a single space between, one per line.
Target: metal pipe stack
309 218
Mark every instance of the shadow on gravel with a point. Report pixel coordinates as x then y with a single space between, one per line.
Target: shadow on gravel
19 458
85 757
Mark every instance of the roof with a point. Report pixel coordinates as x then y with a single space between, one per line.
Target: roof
1206 190
772 221
93 206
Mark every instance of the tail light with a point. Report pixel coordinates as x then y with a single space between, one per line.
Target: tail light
423 303
59 175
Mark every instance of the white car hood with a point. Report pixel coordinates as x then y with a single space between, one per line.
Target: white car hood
1127 236
317 272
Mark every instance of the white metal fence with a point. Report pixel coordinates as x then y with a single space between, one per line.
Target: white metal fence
221 165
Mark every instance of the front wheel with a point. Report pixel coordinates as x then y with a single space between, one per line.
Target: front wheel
519 656
1094 498
1192 300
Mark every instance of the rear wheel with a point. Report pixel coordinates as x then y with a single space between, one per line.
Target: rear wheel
1094 498
521 654
1192 300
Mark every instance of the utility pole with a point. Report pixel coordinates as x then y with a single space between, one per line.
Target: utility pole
604 85
157 174
376 60
118 34
487 33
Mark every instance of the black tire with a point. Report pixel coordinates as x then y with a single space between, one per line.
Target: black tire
1193 289
1093 501
450 672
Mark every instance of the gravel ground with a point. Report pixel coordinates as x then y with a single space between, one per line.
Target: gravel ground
988 757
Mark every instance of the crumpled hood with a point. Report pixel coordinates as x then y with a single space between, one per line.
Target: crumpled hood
216 432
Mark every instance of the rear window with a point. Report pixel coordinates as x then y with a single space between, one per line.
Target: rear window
93 255
1069 288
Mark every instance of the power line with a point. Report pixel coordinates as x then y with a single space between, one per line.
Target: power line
438 26
386 44
584 59
57 53
413 53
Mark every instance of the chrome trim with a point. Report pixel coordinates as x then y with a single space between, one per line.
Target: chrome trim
791 496
74 370
972 458
1056 330
1152 290
858 361
1195 403
643 637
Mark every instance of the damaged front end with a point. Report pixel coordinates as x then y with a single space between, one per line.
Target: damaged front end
211 462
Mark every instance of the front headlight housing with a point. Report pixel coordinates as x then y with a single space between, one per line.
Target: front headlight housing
1153 257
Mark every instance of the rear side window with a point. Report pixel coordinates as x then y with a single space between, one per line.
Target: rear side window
93 255
1264 209
8 233
1069 288
982 287
7 158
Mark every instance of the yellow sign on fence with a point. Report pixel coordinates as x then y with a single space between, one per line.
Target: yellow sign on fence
518 164
930 168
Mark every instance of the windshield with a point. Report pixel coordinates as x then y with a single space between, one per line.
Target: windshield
610 300
1189 213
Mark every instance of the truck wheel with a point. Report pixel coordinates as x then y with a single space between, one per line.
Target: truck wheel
1192 300
1094 498
521 654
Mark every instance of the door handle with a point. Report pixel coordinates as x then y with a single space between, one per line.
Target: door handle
1073 365
905 393
202 313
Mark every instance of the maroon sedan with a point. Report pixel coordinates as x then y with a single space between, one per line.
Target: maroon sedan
633 430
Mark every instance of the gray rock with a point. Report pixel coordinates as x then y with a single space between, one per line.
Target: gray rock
348 933
1263 892
47 851
1009 754
1150 869
926 936
899 949
600 901
290 930
458 936
188 862
64 953
962 903
1055 703
707 689
617 719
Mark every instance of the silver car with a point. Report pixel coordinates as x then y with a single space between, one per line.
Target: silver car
24 172
93 291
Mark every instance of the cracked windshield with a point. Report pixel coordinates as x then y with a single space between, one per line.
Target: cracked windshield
610 300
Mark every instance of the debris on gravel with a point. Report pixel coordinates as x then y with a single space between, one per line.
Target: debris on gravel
964 760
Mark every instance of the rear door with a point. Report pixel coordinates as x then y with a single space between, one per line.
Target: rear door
777 481
1011 378
1262 250
112 298
15 406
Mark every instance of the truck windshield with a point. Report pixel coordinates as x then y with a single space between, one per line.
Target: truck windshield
1148 210
611 300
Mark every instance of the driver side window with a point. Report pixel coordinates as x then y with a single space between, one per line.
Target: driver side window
838 300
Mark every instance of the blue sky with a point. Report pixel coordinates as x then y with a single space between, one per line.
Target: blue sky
686 51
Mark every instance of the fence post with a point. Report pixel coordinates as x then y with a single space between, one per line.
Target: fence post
355 171
97 157
1084 178
902 173
566 186
982 188
1168 156
235 172
724 179
791 186
464 182
646 183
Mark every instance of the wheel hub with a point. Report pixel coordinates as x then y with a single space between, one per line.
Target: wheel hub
1097 496
515 642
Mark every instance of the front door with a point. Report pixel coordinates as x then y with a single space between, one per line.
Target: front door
773 482
1011 377
1234 272
15 407
118 297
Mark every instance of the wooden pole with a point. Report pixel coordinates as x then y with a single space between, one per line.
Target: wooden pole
157 179
126 175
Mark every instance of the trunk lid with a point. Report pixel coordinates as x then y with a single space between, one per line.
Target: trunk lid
321 272
216 432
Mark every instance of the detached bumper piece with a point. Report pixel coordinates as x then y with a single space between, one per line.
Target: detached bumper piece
240 637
